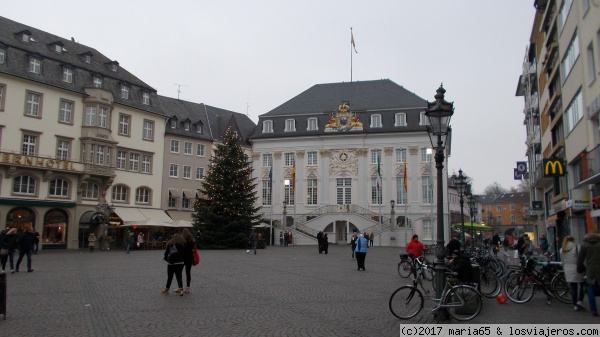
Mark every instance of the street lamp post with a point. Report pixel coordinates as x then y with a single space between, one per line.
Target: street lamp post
472 210
461 185
439 113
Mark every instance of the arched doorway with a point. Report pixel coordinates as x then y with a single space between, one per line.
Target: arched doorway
54 234
20 218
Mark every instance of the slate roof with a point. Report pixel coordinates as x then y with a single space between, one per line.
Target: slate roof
215 121
17 64
366 98
506 198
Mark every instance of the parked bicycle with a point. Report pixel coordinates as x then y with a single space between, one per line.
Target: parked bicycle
421 264
463 302
532 275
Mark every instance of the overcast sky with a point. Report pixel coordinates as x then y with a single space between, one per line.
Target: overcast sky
251 56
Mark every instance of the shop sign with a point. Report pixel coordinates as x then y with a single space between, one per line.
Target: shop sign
560 206
580 199
554 167
38 162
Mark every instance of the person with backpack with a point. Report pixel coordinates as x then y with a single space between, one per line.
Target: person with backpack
175 259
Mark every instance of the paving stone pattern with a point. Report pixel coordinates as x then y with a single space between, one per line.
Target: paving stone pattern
281 291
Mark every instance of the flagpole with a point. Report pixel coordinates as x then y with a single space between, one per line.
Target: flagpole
351 39
271 233
405 206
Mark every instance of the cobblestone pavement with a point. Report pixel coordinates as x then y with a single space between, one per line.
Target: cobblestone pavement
281 291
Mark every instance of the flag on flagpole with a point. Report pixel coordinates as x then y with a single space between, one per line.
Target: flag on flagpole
352 41
293 176
378 173
404 178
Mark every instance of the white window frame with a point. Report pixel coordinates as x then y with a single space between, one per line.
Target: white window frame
267 159
571 56
574 112
200 148
142 195
67 75
148 132
376 194
376 153
591 63
146 98
28 187
187 172
187 148
103 117
124 121
400 119
97 82
425 156
267 126
124 91
173 171
289 158
311 158
376 121
29 145
120 193
63 147
2 55
313 124
312 189
35 65
267 197
121 160
290 125
146 164
58 188
65 111
401 155
199 173
33 104
427 189
90 191
401 194
174 148
134 162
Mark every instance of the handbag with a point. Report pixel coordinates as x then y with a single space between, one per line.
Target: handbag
196 257
3 251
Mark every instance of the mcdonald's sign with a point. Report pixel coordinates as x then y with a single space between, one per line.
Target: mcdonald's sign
554 168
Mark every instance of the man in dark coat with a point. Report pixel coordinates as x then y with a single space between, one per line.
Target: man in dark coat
25 246
461 264
325 243
320 241
453 245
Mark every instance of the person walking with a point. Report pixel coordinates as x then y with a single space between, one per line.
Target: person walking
361 251
569 254
130 241
325 243
140 240
175 259
36 241
188 257
25 246
253 240
286 238
320 241
8 246
415 248
353 243
280 239
371 239
589 261
92 242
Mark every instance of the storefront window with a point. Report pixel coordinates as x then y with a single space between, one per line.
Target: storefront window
55 227
20 218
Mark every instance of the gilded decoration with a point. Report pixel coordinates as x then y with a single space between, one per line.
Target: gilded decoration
413 150
343 120
300 153
277 155
343 163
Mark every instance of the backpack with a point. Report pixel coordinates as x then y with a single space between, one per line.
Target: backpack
173 254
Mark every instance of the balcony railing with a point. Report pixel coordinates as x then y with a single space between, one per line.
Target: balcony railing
593 163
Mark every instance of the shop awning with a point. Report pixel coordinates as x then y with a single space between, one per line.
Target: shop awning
155 214
188 194
173 192
129 214
475 225
180 215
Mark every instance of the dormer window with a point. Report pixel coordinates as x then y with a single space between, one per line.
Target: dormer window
145 98
2 55
97 82
35 65
87 59
423 119
124 91
67 75
173 123
113 66
290 125
26 36
376 121
267 127
186 126
312 124
199 128
58 48
400 119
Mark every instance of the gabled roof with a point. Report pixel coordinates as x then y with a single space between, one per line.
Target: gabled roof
382 97
506 198
221 120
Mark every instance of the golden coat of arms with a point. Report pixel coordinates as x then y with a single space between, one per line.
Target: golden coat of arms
343 119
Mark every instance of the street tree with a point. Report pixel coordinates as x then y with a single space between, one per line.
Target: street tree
225 213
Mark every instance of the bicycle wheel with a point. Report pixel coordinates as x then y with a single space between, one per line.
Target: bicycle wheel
404 268
462 302
406 302
519 288
428 272
561 289
489 283
500 267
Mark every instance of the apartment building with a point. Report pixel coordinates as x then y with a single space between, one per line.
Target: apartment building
562 106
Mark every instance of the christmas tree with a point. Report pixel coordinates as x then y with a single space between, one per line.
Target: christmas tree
226 212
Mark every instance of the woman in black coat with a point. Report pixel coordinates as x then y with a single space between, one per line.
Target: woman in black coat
174 255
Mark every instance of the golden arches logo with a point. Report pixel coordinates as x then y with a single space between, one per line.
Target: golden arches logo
554 168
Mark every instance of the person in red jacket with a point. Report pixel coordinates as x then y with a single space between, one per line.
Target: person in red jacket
415 248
